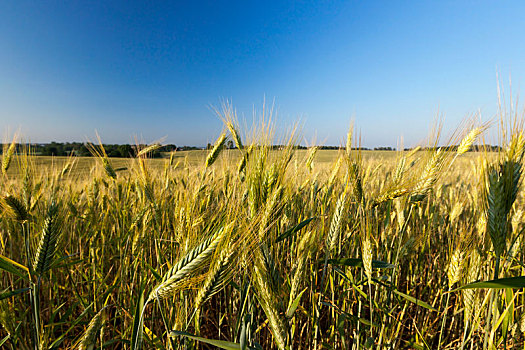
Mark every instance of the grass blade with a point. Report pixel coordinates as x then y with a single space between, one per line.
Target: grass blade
414 300
500 283
138 328
294 230
357 262
293 306
222 344
13 293
13 267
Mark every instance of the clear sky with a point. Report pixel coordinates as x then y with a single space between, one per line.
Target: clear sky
153 68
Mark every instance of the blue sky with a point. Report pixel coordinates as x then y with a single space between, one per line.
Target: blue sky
153 69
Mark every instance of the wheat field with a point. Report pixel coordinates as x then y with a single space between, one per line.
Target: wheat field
257 248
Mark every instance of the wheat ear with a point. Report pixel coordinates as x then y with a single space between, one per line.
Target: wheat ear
216 150
48 241
14 208
189 264
8 156
88 340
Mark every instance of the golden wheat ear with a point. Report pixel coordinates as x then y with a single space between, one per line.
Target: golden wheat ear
216 150
219 275
89 339
8 153
100 153
185 267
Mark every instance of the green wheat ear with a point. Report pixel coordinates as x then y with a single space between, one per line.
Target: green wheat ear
48 241
14 208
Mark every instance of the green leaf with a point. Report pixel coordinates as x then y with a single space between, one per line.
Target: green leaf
157 276
293 306
414 300
227 345
355 262
350 316
13 267
509 312
5 339
244 327
58 262
62 337
294 230
13 292
500 283
415 346
138 322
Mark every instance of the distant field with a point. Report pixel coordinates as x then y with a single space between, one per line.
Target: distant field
84 165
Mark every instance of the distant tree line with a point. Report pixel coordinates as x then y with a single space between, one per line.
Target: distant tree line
127 151
79 149
473 148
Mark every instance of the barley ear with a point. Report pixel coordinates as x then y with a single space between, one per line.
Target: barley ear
335 171
304 250
496 211
216 150
468 140
392 194
428 177
310 158
185 267
366 250
217 278
101 154
469 295
8 156
235 135
269 302
349 141
48 241
454 267
14 208
149 149
89 338
335 225
108 168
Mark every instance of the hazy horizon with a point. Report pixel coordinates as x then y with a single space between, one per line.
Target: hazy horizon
154 70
